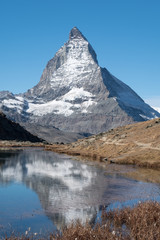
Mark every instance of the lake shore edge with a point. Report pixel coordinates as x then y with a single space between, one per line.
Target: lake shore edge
147 158
135 144
102 159
138 222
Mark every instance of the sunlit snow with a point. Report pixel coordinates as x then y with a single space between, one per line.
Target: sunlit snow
77 72
157 109
14 103
62 105
75 93
78 67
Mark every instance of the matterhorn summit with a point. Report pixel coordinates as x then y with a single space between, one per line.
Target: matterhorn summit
75 94
73 66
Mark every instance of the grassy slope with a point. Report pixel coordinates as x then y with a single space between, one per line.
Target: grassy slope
132 144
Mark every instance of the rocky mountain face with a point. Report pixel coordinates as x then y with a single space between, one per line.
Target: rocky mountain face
52 134
75 94
13 131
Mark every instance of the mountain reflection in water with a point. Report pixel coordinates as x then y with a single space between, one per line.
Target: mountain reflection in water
63 186
67 189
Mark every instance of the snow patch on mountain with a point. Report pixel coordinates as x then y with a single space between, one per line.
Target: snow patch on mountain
16 103
77 67
157 109
57 107
64 105
76 93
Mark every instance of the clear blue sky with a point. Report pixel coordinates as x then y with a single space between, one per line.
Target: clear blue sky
124 33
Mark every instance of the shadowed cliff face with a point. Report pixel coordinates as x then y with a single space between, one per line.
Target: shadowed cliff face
13 131
75 94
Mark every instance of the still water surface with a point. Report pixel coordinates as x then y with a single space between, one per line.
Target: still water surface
45 191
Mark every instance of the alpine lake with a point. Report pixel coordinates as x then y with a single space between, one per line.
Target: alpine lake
42 191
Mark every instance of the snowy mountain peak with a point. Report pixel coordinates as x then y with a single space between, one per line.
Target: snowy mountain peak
76 94
72 66
75 33
79 44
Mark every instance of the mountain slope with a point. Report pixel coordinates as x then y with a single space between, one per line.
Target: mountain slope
13 131
52 134
75 94
157 109
132 144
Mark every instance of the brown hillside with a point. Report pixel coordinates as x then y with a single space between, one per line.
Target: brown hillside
132 144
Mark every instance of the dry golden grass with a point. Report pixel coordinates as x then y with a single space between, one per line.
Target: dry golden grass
132 144
13 144
139 223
